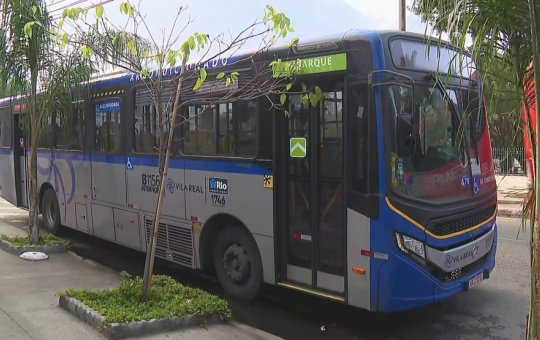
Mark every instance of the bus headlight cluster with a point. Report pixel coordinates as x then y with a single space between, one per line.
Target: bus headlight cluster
411 245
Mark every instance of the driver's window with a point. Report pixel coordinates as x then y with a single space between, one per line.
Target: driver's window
436 120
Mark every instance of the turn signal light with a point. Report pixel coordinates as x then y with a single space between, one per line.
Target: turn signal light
358 270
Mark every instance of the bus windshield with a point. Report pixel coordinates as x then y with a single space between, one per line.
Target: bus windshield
434 155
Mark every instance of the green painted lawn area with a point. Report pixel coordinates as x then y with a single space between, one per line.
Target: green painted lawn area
168 298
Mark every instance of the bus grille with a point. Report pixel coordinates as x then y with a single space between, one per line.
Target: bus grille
458 273
174 242
450 227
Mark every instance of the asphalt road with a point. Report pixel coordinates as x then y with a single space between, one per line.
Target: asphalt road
496 309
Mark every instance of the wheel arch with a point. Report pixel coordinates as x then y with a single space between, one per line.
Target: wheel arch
209 235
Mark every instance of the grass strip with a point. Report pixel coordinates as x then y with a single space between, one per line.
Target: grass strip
168 298
44 240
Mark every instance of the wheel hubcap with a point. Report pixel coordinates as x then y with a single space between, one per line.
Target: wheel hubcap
236 263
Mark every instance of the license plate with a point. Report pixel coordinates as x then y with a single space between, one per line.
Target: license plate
475 281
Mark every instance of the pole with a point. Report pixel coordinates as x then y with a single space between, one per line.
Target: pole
402 15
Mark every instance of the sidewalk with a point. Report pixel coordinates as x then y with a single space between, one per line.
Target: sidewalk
512 192
29 308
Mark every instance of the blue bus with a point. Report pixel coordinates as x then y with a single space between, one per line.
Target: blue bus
382 196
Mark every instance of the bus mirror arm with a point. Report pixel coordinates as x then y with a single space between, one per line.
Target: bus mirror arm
402 80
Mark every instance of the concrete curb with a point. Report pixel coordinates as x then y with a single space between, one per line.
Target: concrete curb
135 328
504 201
510 212
18 250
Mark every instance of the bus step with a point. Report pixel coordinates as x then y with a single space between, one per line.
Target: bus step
312 291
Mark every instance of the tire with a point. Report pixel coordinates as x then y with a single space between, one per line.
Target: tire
238 263
50 211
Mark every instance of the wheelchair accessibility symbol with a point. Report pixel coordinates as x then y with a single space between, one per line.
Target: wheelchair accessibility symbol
129 165
476 185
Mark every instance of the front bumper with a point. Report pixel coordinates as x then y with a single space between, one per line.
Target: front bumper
405 284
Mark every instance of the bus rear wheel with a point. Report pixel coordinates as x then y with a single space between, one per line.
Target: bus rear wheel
238 263
50 211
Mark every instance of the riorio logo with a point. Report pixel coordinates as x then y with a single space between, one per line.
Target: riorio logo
218 185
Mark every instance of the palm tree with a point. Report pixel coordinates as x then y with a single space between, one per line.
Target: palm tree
29 54
504 35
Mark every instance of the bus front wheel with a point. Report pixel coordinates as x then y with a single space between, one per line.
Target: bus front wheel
238 263
51 211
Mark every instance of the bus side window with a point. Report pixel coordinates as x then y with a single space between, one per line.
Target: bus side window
148 126
358 128
5 127
70 128
199 137
47 139
107 126
225 129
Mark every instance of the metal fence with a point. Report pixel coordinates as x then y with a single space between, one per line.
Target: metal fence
509 160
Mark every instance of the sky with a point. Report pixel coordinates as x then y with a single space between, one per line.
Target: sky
311 19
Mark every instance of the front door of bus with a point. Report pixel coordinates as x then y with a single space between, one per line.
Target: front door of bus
312 203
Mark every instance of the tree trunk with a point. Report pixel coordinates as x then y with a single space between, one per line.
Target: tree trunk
164 169
533 330
33 203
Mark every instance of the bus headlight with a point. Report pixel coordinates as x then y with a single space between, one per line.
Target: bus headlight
411 245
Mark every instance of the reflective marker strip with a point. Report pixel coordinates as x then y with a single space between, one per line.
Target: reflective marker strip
380 256
366 253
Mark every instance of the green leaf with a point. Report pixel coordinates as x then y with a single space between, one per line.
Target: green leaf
191 42
305 101
282 98
64 40
304 87
293 41
203 74
318 92
286 113
313 100
198 84
171 58
132 46
99 11
85 52
28 30
289 86
220 75
234 75
228 82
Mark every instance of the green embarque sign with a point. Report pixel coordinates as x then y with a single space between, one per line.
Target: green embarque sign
321 64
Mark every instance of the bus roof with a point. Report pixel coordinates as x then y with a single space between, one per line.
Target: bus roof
118 79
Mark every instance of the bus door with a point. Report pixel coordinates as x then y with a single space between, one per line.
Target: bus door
108 164
21 158
311 200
